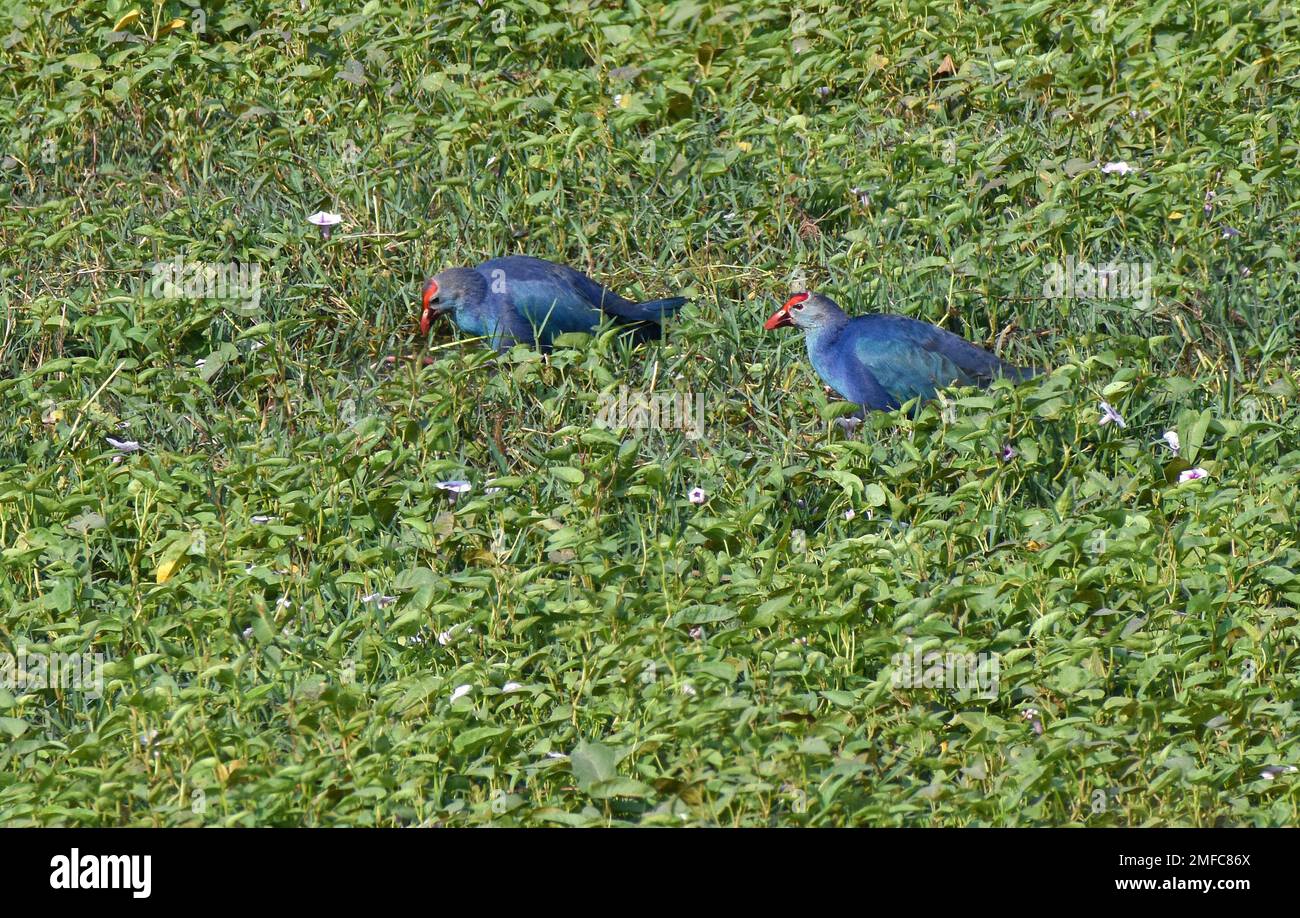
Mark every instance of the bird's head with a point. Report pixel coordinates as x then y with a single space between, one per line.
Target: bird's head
805 310
448 291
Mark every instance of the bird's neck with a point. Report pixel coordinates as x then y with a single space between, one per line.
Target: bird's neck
824 335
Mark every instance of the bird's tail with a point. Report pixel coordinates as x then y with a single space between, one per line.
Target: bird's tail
654 310
1019 374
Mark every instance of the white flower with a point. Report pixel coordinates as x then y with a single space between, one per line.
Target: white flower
697 633
1276 771
850 513
262 519
1171 440
1117 168
512 687
688 690
379 599
460 692
446 637
697 496
284 602
1110 416
248 632
1192 474
125 446
455 487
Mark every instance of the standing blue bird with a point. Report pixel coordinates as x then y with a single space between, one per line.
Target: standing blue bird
521 299
882 361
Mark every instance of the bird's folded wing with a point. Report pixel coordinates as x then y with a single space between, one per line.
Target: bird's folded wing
907 368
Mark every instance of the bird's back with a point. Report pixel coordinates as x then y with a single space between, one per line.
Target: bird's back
909 358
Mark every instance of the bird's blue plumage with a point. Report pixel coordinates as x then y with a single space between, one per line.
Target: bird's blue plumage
524 299
882 361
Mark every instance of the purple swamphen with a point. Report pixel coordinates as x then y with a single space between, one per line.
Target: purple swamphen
882 361
517 299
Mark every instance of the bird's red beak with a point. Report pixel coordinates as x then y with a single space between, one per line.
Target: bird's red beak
778 319
781 317
426 314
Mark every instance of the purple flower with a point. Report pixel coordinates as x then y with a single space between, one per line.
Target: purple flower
325 222
1110 416
1195 474
1009 452
697 496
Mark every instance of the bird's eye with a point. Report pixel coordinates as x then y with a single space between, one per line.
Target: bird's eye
799 306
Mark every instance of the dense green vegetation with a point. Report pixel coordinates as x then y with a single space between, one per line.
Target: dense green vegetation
299 626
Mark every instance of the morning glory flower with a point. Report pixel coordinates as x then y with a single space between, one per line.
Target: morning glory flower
124 446
697 496
455 487
1009 452
850 513
379 599
1117 168
1230 233
1110 416
1192 475
512 687
1035 719
325 221
460 692
1276 771
1170 437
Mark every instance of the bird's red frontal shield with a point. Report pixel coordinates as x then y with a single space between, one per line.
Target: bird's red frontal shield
781 317
426 316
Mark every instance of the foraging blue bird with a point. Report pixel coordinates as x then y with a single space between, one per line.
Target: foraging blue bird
521 299
882 361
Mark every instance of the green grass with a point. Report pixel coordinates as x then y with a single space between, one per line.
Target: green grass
727 663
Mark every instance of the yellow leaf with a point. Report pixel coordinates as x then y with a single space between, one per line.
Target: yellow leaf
1176 215
172 26
173 557
129 19
167 568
